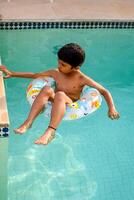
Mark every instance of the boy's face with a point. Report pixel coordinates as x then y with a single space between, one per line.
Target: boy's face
65 67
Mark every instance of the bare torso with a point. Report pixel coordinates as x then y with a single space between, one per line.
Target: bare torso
70 83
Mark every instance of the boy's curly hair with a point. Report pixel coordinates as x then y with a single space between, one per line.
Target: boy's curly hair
72 54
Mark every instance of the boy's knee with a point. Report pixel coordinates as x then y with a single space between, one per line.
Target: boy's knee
60 95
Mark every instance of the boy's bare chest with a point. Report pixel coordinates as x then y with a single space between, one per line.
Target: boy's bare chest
68 84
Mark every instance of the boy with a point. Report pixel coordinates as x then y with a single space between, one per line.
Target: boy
69 84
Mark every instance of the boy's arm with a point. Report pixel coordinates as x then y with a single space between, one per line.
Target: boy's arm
50 73
112 113
9 74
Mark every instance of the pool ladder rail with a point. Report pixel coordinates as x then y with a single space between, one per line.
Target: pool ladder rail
4 118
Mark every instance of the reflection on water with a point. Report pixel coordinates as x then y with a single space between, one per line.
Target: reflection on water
55 175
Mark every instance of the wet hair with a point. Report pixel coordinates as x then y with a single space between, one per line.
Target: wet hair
72 54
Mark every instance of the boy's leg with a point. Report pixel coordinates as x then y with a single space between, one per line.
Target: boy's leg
57 113
38 105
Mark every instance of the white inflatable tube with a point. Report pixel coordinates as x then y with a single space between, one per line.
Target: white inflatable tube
89 101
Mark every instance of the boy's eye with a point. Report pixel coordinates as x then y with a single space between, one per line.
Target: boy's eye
63 65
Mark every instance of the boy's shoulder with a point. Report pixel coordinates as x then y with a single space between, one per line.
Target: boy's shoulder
82 75
84 78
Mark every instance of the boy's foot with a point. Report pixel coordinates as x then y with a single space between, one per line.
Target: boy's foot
47 137
23 128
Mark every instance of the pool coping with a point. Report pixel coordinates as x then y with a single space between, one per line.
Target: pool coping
66 10
4 118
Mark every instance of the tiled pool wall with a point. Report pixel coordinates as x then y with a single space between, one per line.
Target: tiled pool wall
3 167
4 133
70 24
18 25
13 25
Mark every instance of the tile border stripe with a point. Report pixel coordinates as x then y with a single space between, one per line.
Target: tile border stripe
4 131
66 25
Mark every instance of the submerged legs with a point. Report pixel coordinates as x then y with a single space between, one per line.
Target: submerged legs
59 101
57 113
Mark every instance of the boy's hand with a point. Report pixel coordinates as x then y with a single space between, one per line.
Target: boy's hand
5 71
113 114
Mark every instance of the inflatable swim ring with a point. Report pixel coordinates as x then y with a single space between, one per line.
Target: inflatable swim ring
89 101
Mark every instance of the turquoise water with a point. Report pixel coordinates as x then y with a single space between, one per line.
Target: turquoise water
91 158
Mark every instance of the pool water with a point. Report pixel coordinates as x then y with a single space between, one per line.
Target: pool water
91 158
